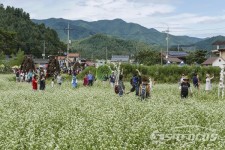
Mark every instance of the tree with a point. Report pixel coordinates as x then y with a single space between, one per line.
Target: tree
198 56
2 57
18 59
148 57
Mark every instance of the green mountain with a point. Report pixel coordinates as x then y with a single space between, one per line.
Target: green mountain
17 31
118 28
206 44
100 46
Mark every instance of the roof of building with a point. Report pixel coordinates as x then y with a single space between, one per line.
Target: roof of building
123 58
178 54
41 61
73 55
90 63
210 61
173 59
175 54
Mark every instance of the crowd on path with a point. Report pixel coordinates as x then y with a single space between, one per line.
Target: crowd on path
141 85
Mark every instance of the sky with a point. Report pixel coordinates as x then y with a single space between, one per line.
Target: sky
196 18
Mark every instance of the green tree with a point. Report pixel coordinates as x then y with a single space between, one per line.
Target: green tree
198 56
17 31
102 71
2 57
18 59
148 57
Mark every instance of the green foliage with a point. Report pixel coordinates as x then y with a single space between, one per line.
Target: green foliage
169 74
102 71
198 56
2 57
17 31
148 57
18 59
97 46
93 70
207 43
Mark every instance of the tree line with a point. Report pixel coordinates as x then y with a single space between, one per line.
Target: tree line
18 32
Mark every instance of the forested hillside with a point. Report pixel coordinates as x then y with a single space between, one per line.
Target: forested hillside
207 43
98 45
17 31
117 27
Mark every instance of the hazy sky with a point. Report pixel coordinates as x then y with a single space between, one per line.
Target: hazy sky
199 18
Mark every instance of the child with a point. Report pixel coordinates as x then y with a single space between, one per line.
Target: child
121 86
74 81
85 83
185 87
52 83
144 89
34 83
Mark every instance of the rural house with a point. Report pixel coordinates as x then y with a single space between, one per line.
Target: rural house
220 52
72 58
41 63
175 56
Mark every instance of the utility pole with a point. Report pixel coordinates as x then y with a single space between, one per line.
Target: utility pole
161 58
178 48
68 43
43 55
167 43
106 54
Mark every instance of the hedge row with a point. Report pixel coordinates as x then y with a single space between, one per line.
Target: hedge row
161 74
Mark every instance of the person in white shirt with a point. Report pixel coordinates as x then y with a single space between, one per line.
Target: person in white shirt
208 85
59 79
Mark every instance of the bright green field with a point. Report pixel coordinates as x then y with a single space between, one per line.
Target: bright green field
96 118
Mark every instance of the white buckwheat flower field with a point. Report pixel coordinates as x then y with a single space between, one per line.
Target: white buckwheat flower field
96 118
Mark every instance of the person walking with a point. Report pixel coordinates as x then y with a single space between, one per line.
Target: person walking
185 87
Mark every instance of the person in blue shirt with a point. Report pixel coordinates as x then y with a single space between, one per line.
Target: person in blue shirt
195 81
74 81
90 79
29 76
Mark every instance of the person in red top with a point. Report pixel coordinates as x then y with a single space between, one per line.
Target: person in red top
34 82
85 80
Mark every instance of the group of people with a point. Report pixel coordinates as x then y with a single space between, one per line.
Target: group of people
40 78
185 87
141 85
22 76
